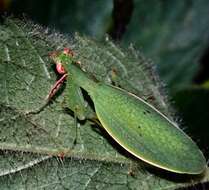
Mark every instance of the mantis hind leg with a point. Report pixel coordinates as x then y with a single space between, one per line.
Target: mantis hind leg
52 92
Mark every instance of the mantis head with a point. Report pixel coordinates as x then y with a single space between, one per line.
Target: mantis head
60 57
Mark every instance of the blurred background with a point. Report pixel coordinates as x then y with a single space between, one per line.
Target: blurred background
173 34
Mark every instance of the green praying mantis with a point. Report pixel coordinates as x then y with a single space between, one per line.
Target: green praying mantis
133 123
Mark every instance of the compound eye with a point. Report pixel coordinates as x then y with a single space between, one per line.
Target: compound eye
68 51
60 68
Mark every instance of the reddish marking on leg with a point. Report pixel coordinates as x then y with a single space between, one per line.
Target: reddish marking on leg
56 87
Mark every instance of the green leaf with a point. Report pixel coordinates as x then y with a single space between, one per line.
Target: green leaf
173 34
82 174
31 138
